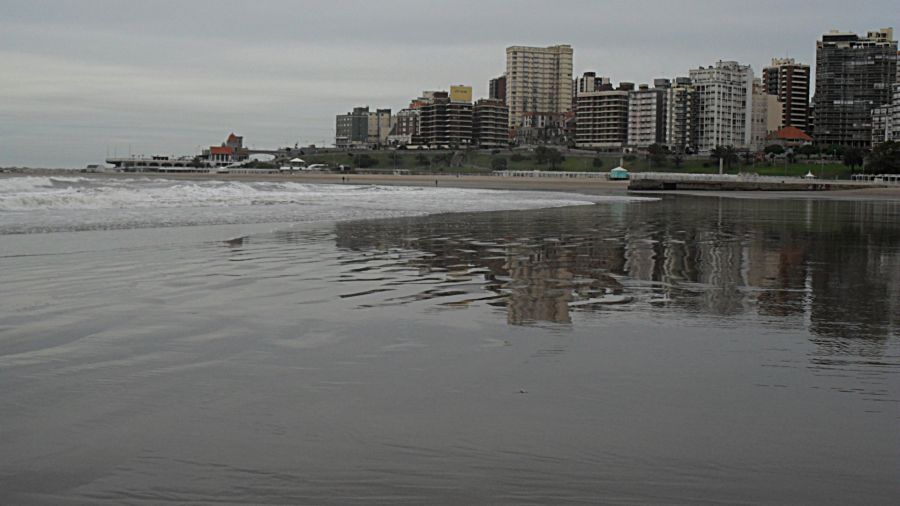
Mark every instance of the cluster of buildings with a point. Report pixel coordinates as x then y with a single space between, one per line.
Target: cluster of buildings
436 119
855 103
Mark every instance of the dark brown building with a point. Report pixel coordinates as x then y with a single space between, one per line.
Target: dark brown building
497 89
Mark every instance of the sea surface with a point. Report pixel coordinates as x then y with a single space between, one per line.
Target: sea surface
206 342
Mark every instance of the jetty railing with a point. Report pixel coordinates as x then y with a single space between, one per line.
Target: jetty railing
555 174
718 178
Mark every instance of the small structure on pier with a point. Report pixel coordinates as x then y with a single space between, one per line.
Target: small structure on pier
619 174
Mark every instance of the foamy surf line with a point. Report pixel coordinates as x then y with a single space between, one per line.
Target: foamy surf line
46 204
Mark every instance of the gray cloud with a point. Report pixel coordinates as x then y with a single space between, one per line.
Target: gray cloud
167 77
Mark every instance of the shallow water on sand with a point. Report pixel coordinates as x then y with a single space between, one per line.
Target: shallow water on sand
685 351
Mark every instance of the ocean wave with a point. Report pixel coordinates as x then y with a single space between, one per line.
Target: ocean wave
56 204
27 194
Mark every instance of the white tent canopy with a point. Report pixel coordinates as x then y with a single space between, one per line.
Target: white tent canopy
297 160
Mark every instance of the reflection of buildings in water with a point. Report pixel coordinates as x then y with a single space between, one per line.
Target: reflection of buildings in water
676 262
782 276
543 281
640 258
536 270
854 298
540 287
720 262
721 257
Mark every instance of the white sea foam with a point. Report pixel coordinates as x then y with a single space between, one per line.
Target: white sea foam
54 203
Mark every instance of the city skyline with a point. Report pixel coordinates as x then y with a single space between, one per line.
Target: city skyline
162 78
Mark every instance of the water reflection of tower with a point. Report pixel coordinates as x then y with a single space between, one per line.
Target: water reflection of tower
779 269
639 255
720 262
540 286
854 301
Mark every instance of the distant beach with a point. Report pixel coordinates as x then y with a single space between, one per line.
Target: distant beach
591 186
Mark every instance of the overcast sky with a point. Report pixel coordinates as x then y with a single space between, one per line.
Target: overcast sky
80 78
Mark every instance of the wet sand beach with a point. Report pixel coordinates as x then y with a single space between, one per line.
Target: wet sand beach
200 341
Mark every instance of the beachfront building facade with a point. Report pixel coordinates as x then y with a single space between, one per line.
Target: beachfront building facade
361 128
352 128
886 119
647 115
895 113
680 107
724 111
538 83
854 75
882 124
444 123
490 123
601 114
378 127
404 127
789 81
766 117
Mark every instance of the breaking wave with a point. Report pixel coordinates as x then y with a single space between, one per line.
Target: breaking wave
31 204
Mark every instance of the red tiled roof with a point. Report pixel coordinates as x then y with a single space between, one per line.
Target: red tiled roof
792 133
232 137
220 150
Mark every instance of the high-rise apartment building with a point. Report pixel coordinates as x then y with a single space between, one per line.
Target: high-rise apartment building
601 113
724 111
895 113
886 119
767 115
589 81
882 124
538 82
497 88
352 129
444 123
789 81
490 123
647 115
681 103
854 75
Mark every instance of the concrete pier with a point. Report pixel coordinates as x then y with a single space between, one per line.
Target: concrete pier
708 182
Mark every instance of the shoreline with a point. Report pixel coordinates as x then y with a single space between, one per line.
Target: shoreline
585 186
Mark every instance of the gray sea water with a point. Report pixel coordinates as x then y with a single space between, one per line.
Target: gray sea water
270 343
